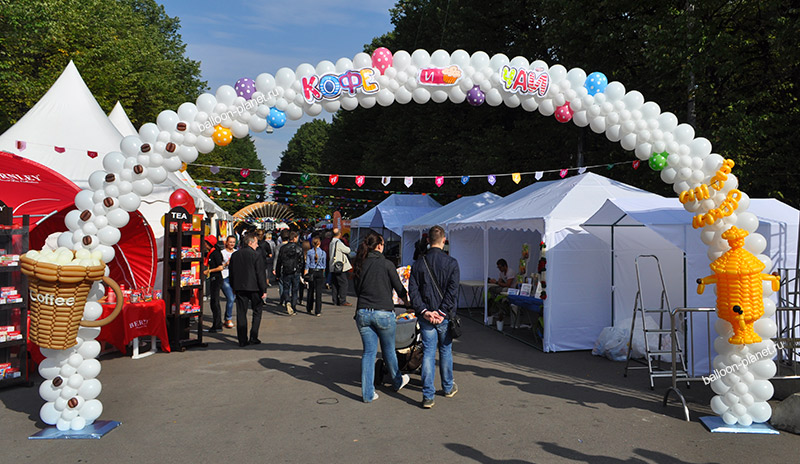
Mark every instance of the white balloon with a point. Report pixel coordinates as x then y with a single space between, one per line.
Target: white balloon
420 58
650 110
84 200
89 368
438 95
49 368
668 175
400 60
110 235
90 389
91 410
546 106
293 112
762 390
149 132
684 133
766 328
362 60
172 164
440 58
48 392
769 307
598 125
614 91
113 161
747 221
265 83
129 202
718 406
479 60
225 94
420 94
205 103
167 120
580 118
49 414
118 217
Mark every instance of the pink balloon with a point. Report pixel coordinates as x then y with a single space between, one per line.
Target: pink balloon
382 59
563 113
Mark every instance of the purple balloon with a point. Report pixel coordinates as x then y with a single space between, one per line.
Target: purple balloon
245 88
475 96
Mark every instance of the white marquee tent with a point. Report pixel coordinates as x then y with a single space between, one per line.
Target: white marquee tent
662 227
389 216
455 210
578 303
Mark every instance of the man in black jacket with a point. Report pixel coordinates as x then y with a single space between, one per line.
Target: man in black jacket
291 263
433 288
247 280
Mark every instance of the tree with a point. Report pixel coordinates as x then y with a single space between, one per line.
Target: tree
127 50
303 154
729 68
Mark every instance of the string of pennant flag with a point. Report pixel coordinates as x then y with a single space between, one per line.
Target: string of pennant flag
408 181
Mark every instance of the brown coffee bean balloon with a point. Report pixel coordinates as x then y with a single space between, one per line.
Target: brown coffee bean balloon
145 147
108 202
138 169
87 240
181 126
110 178
86 215
171 147
57 381
72 402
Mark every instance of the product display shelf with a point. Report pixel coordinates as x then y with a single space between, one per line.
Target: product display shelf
13 315
184 325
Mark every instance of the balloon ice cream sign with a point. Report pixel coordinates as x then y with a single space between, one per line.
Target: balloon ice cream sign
682 160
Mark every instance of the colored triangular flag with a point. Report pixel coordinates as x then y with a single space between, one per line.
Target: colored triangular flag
91 154
304 177
244 173
385 180
636 164
439 181
516 177
59 149
333 179
360 180
21 145
492 179
408 181
276 174
464 179
539 175
563 173
581 169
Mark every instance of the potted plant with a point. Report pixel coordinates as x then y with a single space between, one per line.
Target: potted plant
499 320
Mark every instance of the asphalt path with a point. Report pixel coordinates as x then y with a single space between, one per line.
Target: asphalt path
296 398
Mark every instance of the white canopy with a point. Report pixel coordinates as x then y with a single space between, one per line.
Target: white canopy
662 227
69 117
455 210
578 303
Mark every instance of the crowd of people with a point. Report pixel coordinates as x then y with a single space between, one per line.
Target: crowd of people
319 259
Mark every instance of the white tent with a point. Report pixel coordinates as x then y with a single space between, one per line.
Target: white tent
578 303
662 227
453 211
389 216
68 117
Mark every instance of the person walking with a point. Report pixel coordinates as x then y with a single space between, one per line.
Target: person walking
375 277
282 240
227 252
316 262
433 289
304 279
339 266
290 266
265 248
214 274
246 272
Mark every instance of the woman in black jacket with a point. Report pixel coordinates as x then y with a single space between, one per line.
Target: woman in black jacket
375 277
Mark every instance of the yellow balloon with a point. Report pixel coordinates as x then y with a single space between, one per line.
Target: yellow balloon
222 136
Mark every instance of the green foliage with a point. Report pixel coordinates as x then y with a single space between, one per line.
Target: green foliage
728 68
126 50
240 152
304 154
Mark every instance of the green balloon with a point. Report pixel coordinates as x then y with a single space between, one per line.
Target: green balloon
657 161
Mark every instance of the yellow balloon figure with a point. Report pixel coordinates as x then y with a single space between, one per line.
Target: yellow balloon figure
738 276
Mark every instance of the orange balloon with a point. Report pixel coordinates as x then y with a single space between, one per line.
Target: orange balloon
222 136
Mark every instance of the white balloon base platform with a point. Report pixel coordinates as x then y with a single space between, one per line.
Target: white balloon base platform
715 424
95 430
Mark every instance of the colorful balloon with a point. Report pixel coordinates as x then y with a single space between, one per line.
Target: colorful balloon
182 198
381 59
596 83
658 161
222 136
563 113
276 118
475 96
245 88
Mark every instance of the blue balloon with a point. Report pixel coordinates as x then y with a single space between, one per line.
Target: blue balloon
596 83
327 216
276 118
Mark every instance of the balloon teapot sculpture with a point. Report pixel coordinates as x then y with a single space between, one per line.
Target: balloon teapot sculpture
738 276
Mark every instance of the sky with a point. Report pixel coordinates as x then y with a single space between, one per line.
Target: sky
235 38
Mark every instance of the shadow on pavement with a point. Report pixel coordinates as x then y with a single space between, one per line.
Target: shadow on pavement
576 456
478 456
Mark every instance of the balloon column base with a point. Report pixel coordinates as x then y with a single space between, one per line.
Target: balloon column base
94 431
715 424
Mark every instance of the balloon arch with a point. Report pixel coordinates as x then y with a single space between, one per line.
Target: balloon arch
702 180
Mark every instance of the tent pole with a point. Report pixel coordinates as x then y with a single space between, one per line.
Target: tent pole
485 275
613 290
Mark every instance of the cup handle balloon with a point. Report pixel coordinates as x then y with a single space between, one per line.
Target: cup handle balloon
120 300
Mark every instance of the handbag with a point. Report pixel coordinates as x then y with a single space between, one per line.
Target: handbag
338 266
455 321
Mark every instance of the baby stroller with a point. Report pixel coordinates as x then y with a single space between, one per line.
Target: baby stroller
408 348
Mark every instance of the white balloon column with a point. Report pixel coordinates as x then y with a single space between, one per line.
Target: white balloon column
685 161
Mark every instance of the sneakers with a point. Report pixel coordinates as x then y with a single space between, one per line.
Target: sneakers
428 403
404 382
289 309
229 324
374 397
452 391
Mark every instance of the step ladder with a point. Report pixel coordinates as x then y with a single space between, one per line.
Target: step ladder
653 354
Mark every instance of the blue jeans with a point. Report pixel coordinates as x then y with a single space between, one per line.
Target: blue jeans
291 285
229 298
377 326
433 335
